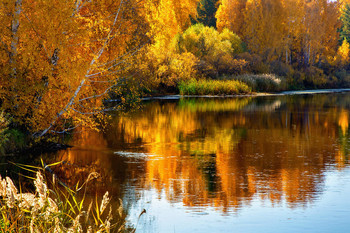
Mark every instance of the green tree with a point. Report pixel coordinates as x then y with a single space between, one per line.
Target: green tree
345 18
206 12
215 50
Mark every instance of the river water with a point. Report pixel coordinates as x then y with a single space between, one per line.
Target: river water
250 164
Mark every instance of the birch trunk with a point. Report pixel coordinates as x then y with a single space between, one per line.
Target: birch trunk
14 36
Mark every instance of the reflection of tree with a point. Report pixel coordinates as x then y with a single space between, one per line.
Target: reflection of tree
208 154
221 156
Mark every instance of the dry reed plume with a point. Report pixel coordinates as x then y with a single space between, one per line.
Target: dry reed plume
54 210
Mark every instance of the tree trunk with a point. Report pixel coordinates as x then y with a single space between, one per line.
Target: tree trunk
14 37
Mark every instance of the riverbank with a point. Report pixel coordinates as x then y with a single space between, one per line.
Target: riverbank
17 143
301 92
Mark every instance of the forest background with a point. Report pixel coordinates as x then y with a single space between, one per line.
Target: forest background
62 60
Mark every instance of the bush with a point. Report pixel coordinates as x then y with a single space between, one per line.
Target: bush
203 41
255 63
314 78
4 136
263 82
280 68
214 50
213 87
343 78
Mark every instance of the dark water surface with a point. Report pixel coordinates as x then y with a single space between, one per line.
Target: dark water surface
255 164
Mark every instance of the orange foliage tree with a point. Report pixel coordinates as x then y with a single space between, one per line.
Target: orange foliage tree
59 59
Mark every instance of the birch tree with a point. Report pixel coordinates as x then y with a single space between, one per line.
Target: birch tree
68 55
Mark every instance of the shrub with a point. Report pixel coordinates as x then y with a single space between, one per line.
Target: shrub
280 68
203 41
213 87
314 78
343 77
263 82
4 136
255 63
296 80
213 49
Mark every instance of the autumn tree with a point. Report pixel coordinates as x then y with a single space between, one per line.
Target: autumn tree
66 56
230 14
343 54
345 19
263 27
214 49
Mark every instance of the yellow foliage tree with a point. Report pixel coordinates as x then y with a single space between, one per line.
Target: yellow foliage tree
343 53
230 14
64 57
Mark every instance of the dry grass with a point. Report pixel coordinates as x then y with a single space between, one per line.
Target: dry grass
262 82
213 87
56 209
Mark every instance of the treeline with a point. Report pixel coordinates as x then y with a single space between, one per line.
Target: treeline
60 59
303 42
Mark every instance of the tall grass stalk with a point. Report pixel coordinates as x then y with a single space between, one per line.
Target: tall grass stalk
55 209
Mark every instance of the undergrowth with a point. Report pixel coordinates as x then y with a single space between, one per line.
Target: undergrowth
262 82
54 207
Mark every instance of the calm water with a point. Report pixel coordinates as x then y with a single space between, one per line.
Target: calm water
264 164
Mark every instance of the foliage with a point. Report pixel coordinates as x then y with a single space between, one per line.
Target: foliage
343 54
55 209
230 14
206 12
214 50
263 82
59 63
4 136
162 73
206 41
213 87
295 31
345 18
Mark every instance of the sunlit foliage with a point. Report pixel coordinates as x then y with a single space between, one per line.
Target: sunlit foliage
60 58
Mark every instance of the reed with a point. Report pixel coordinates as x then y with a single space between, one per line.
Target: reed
55 209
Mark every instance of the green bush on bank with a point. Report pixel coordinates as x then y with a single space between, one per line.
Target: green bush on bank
4 136
213 87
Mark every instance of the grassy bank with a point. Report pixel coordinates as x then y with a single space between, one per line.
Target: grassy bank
213 87
233 85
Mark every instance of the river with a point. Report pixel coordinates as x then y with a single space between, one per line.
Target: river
247 164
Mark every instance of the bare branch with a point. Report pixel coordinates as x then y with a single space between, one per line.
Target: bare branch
65 130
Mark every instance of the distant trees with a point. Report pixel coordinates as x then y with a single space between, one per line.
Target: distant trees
293 30
230 14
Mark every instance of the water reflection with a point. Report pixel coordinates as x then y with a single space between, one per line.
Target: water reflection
221 153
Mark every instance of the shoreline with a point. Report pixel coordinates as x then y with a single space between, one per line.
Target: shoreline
258 94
